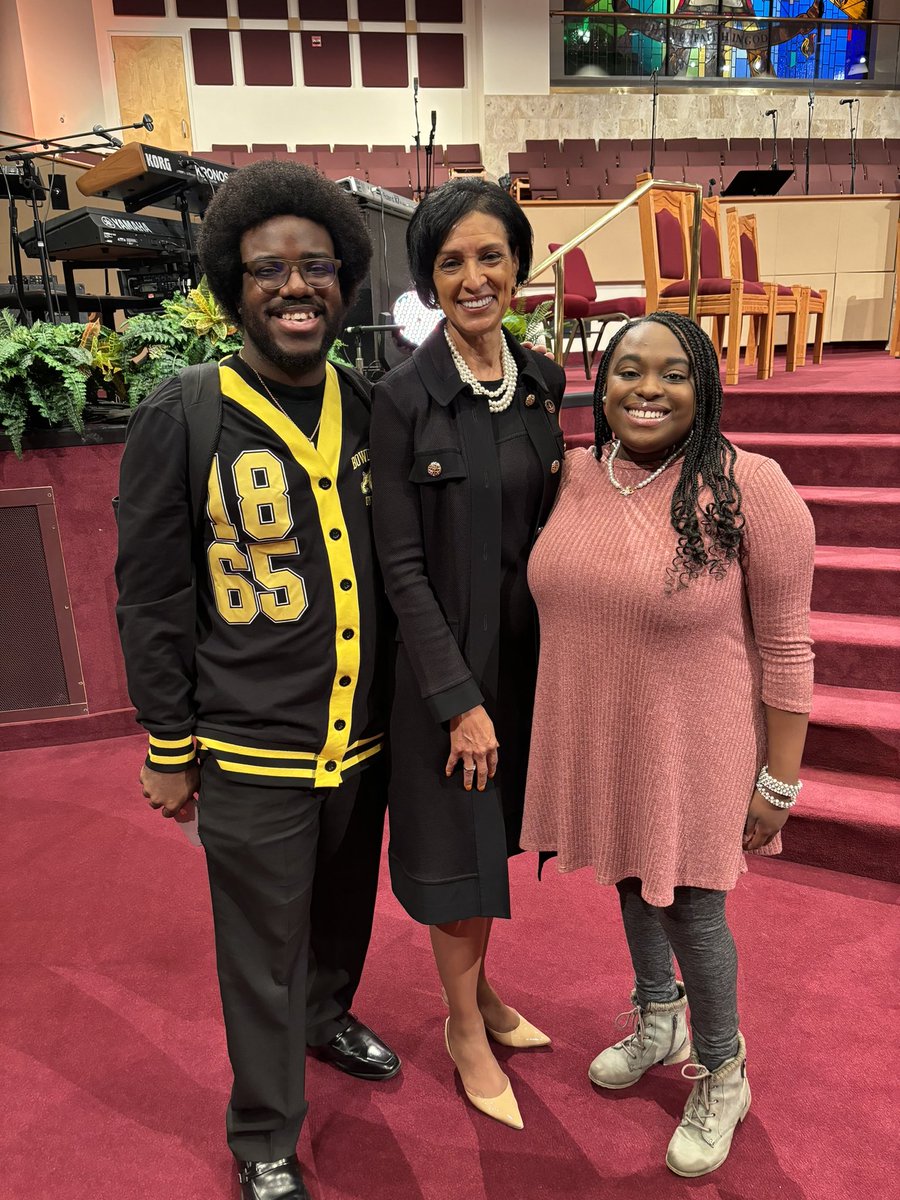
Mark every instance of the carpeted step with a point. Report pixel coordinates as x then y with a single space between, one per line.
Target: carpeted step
857 579
850 516
854 729
857 650
846 823
829 459
812 410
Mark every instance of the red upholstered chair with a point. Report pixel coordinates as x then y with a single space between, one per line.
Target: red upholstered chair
580 282
703 175
683 143
306 157
704 158
894 340
580 150
268 147
584 183
665 221
611 148
374 160
537 148
882 177
464 158
872 151
548 183
354 148
743 150
619 183
792 302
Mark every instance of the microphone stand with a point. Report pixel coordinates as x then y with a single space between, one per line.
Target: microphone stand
853 128
809 121
429 155
774 116
417 137
655 78
24 153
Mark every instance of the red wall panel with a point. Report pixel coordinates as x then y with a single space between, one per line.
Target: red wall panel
139 8
328 64
442 62
444 12
211 52
385 62
323 10
202 8
382 10
263 10
267 57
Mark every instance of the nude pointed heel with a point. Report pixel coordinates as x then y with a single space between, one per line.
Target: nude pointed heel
502 1108
525 1036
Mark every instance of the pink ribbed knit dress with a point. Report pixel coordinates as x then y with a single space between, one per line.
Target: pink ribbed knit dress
648 729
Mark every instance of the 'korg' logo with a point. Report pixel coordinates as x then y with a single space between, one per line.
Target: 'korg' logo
159 162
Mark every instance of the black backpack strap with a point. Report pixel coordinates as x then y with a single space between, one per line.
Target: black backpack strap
201 398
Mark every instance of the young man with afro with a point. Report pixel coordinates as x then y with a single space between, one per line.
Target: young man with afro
251 619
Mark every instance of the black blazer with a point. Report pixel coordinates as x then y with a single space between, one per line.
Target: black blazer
436 496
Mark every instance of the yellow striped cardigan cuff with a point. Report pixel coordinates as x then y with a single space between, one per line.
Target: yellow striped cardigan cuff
169 754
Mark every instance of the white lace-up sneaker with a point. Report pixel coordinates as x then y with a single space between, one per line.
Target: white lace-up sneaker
718 1101
660 1035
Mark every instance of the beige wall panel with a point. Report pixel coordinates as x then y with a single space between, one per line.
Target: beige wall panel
861 306
807 237
613 254
867 235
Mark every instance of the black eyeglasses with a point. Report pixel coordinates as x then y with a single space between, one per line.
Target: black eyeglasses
271 274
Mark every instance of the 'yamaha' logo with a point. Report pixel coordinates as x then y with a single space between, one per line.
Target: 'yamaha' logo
128 224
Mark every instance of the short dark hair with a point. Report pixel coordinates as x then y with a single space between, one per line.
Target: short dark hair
264 190
445 207
711 537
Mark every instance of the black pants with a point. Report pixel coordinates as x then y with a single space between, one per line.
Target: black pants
293 875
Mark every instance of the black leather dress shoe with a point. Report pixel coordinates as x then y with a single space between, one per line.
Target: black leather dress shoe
279 1180
359 1052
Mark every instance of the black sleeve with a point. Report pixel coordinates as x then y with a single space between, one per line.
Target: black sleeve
445 681
156 609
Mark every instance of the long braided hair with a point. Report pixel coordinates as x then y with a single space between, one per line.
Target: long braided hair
709 538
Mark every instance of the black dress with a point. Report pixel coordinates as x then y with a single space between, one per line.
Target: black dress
459 495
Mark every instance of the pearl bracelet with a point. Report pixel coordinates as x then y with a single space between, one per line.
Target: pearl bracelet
772 789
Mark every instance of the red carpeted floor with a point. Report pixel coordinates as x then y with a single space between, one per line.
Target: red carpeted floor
114 1060
835 431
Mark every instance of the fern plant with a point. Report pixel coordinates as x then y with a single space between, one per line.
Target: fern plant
527 327
44 370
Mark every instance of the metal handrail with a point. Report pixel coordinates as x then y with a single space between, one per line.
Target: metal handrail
557 259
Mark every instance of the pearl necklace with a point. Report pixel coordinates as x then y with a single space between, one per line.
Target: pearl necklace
629 491
501 398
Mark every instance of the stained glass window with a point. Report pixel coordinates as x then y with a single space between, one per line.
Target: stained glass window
632 43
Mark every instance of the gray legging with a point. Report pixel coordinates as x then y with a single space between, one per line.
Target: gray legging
695 928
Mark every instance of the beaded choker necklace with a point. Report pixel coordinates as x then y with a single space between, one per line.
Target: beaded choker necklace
499 399
629 491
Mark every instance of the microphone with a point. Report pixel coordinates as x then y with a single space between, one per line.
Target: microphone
99 131
415 85
147 122
712 186
770 112
433 120
812 95
849 101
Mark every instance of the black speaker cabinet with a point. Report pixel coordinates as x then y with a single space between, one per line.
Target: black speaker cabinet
388 278
40 670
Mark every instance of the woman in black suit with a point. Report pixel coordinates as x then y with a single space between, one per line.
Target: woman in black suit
466 453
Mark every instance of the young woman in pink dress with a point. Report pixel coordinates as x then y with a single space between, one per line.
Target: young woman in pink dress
673 584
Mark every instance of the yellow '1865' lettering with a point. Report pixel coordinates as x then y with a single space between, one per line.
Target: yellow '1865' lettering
247 584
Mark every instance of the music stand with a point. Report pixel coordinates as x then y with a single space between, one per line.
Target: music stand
757 183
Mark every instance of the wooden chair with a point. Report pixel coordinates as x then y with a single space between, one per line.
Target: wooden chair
665 241
792 302
894 343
